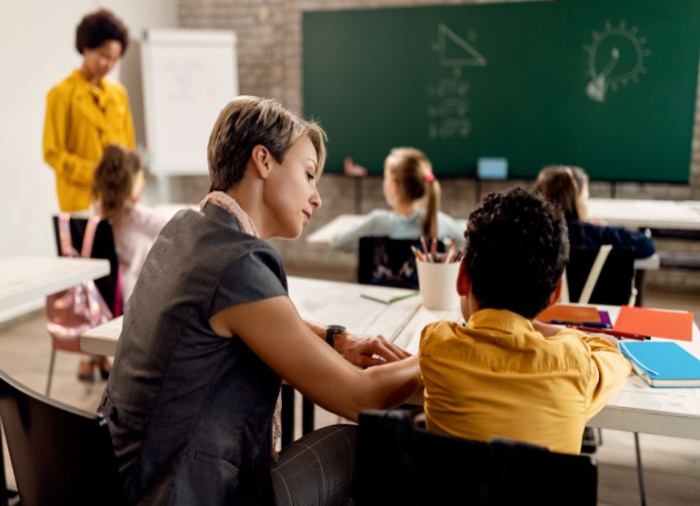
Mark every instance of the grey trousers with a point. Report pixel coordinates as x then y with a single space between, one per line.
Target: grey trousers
317 469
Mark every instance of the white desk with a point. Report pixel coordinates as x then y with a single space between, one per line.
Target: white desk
666 214
26 278
636 408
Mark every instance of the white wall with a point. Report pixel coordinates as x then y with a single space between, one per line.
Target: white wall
36 51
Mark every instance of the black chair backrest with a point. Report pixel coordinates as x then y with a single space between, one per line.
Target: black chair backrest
389 262
60 454
398 463
614 284
103 247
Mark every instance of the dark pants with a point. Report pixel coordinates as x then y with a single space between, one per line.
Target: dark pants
317 469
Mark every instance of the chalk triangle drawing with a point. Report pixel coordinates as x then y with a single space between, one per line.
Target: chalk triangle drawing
460 51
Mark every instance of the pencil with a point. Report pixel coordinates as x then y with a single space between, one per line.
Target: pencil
610 332
433 249
375 299
449 251
402 297
425 249
418 254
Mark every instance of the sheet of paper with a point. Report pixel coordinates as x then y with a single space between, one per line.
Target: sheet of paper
655 323
569 314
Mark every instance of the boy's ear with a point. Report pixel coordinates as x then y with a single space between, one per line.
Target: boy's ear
261 158
556 294
464 282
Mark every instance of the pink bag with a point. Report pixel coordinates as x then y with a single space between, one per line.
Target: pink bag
80 308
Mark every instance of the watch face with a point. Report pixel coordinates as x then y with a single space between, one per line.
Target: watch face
335 329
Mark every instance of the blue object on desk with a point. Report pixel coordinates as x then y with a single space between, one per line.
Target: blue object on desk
492 168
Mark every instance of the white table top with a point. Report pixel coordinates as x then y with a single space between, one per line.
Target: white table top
26 278
678 215
636 408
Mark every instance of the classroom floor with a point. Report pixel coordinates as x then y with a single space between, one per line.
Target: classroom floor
671 465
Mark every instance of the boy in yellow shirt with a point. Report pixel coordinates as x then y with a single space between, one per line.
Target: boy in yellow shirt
504 374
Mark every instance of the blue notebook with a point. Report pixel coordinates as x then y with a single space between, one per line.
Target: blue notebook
662 363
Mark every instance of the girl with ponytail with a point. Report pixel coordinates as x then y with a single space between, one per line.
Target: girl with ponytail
116 191
413 192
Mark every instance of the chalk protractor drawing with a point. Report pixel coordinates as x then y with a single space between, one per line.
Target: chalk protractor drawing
615 57
456 52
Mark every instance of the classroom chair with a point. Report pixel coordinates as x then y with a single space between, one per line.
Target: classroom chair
399 463
109 286
59 454
601 276
389 262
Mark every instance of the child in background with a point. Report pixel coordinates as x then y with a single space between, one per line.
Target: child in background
504 374
413 192
567 187
116 190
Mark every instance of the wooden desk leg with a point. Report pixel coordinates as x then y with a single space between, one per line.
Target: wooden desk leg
288 394
308 421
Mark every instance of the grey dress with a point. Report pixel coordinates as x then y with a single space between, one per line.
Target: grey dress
189 411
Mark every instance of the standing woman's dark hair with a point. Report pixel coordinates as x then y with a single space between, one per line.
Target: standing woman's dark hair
563 186
98 27
114 180
413 172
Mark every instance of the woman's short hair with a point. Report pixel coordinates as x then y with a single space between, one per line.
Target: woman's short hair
562 185
100 26
248 121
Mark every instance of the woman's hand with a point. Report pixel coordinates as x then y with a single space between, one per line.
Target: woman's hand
362 349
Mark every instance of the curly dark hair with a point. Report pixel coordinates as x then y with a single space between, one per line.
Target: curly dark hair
517 249
99 26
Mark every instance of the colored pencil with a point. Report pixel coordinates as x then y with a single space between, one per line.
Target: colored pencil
610 332
418 254
425 249
451 249
402 297
433 249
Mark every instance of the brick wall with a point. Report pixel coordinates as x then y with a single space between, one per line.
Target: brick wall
269 64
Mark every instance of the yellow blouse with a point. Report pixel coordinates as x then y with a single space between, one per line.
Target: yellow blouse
81 119
498 377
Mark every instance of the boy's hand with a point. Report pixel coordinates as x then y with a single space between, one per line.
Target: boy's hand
361 349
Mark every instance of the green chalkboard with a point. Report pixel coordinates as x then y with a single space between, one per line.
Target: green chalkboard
609 85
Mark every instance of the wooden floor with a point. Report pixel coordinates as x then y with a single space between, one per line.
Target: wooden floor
671 466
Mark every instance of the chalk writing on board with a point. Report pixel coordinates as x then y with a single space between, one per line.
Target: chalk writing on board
615 57
448 109
456 52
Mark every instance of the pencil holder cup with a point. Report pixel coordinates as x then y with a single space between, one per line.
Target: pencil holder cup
437 283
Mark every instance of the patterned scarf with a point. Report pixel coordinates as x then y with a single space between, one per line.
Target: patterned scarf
247 226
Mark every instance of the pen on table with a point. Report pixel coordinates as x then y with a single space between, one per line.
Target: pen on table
425 249
418 254
610 332
448 255
375 299
595 325
402 297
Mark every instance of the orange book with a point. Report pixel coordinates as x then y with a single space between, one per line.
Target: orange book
566 313
655 323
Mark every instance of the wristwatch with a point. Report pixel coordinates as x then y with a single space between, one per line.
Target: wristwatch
332 331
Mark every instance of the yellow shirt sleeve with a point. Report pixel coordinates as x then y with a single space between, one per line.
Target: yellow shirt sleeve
609 370
68 166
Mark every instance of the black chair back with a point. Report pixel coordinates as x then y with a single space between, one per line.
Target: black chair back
398 463
60 454
103 247
614 284
389 262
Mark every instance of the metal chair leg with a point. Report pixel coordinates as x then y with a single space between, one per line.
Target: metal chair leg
640 471
48 383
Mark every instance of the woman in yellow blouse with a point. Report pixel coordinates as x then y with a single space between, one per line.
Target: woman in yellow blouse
85 112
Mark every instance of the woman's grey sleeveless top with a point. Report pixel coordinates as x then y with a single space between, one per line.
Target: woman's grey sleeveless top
189 411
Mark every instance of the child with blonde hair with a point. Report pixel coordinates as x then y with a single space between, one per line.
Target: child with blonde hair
413 192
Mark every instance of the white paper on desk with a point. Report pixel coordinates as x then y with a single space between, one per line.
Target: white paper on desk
410 337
